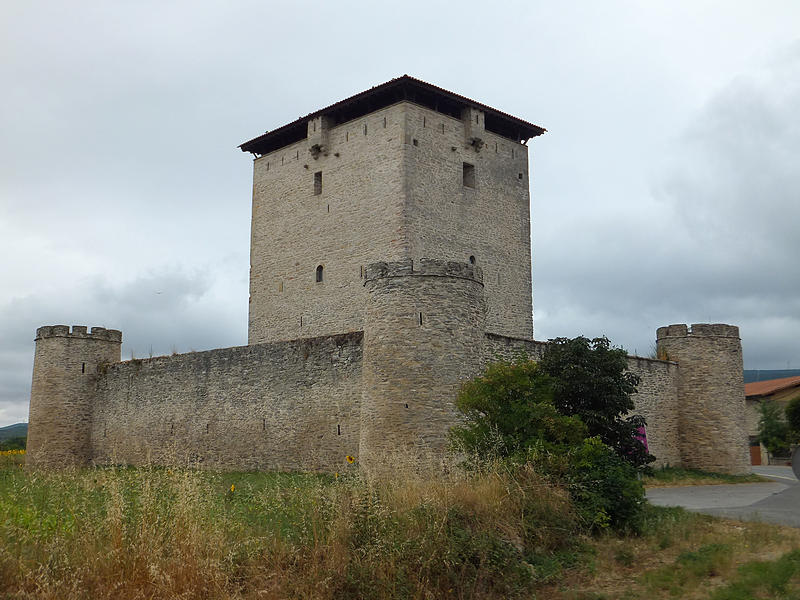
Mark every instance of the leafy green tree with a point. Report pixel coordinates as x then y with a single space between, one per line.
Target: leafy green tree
793 417
509 414
592 382
773 431
14 443
508 410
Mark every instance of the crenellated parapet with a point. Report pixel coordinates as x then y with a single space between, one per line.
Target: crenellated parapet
711 403
698 330
79 332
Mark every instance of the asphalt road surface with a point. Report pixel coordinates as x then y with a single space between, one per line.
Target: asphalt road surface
775 502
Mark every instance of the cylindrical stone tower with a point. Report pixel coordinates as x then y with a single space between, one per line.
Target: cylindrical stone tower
65 370
711 402
423 336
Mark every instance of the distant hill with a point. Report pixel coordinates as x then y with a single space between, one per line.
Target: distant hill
751 375
12 431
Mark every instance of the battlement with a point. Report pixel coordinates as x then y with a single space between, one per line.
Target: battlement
79 332
425 267
698 330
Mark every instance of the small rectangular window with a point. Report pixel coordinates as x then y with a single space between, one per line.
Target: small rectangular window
317 183
469 175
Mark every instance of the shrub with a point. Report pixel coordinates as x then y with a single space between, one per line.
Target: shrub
773 431
508 410
605 488
793 417
509 414
592 381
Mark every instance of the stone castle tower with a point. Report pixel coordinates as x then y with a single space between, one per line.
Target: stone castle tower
711 403
65 370
390 260
403 171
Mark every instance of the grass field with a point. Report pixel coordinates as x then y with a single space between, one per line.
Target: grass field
673 476
164 533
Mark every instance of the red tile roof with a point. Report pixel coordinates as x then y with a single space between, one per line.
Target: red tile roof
770 386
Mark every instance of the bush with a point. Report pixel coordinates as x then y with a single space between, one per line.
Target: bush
793 417
509 414
592 381
605 488
508 410
14 443
773 431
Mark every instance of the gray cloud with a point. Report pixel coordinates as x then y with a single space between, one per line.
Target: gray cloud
715 240
120 177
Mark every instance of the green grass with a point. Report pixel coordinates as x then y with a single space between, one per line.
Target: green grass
673 476
778 579
151 532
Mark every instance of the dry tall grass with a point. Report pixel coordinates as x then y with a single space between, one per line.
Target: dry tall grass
397 533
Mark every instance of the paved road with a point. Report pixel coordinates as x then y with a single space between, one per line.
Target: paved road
775 502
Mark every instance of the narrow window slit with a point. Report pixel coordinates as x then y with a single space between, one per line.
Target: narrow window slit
338 429
384 122
83 367
319 274
420 318
317 183
469 175
263 424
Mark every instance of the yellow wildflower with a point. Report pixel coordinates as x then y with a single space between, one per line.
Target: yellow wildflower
233 487
350 459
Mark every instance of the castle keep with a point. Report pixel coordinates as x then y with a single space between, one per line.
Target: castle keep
390 261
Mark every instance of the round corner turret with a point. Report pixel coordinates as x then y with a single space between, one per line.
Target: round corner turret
66 365
711 394
423 336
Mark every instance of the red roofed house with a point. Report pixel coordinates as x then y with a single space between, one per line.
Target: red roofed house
777 390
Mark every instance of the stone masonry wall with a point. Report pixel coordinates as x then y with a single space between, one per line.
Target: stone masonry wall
423 336
65 371
283 406
391 187
711 406
657 401
356 219
489 220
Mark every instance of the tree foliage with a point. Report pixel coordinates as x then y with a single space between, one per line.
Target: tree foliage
773 430
509 413
592 381
793 417
509 409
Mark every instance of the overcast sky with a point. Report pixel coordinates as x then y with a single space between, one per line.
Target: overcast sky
665 190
